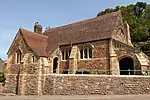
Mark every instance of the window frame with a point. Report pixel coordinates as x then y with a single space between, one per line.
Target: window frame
65 52
87 57
33 59
18 56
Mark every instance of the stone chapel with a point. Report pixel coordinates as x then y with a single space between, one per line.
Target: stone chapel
100 45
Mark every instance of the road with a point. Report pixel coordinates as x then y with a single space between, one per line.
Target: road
82 97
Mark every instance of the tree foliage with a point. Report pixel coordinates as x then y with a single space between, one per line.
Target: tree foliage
138 17
2 78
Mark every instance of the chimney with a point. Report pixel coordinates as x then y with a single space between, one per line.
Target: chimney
37 28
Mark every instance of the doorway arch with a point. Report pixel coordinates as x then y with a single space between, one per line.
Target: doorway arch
55 64
126 66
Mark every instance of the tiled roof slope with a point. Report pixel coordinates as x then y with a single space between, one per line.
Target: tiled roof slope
98 28
37 42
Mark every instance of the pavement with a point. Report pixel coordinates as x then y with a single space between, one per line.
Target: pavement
78 97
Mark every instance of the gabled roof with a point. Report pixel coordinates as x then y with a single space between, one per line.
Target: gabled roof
98 28
37 42
1 60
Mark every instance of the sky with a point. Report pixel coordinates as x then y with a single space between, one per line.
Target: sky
15 14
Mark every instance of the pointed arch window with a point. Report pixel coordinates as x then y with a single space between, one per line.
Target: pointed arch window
18 56
33 59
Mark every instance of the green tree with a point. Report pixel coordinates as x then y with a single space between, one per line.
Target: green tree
139 9
138 17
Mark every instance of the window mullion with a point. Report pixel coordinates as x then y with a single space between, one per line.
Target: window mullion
88 53
64 54
83 53
68 54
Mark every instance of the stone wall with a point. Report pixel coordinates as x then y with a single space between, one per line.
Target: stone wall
22 79
95 66
31 80
95 84
63 66
123 49
13 79
18 44
100 57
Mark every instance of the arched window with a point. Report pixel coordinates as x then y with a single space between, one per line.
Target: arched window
55 64
66 54
86 53
63 55
90 52
81 53
18 57
33 59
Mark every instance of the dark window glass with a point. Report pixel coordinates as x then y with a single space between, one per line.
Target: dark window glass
69 52
63 55
19 56
81 53
90 53
67 55
33 59
55 64
117 45
85 53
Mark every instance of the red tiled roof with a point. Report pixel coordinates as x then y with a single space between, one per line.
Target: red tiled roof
37 42
98 28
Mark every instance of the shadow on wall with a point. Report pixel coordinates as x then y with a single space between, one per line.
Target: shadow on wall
17 79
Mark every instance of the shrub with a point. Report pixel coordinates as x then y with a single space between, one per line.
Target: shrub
2 78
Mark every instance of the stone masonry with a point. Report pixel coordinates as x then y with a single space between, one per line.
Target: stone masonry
69 84
95 84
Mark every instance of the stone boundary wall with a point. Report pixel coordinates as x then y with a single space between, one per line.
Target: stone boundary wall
73 84
95 84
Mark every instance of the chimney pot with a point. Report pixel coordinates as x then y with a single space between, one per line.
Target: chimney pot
37 28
